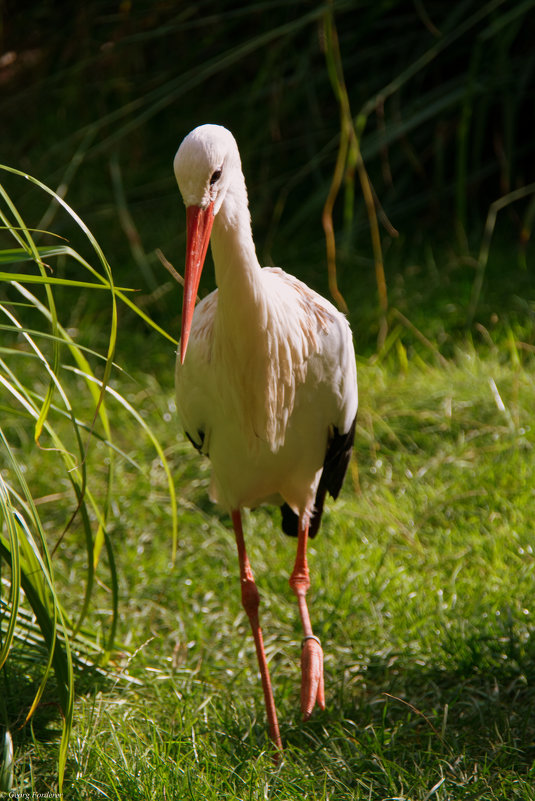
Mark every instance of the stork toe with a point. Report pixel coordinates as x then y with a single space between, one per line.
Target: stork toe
312 688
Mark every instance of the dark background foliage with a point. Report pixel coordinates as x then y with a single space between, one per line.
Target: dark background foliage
96 98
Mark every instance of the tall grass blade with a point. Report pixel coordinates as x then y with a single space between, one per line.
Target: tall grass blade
350 157
23 544
7 764
501 203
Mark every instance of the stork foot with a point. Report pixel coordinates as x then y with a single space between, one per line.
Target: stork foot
312 688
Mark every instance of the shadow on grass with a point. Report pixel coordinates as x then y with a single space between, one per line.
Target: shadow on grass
19 683
397 722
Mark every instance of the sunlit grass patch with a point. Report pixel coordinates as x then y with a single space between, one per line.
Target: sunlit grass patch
421 592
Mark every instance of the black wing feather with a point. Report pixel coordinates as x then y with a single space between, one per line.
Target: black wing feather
334 469
198 446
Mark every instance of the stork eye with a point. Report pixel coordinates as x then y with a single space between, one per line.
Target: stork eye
215 177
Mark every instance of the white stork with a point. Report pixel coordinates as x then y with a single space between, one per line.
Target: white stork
266 382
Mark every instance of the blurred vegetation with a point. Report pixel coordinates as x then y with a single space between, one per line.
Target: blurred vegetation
426 107
98 97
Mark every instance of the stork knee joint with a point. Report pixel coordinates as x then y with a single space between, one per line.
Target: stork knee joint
300 583
250 597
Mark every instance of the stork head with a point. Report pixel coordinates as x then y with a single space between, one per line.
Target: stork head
203 166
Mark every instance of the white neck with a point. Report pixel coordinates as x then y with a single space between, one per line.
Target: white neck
233 250
239 345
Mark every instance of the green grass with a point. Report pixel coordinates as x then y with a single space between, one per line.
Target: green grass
422 594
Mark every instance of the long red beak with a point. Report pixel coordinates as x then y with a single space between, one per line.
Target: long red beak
199 226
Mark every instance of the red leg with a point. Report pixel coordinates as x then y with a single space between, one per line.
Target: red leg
250 601
312 688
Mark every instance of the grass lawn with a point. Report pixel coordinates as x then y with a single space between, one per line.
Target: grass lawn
422 587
